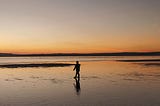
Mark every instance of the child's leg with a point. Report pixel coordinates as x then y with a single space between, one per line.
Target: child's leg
78 74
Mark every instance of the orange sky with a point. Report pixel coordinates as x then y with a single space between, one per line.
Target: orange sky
79 26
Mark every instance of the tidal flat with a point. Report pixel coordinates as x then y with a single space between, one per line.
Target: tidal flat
103 82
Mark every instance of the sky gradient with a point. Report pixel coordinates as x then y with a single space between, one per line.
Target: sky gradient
79 26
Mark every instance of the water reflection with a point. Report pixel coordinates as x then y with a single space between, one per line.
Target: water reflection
77 85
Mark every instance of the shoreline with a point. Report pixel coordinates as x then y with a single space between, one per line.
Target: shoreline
35 65
151 64
140 60
145 62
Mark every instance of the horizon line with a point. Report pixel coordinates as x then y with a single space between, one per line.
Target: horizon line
81 53
155 53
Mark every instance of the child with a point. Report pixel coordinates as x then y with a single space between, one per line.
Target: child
77 68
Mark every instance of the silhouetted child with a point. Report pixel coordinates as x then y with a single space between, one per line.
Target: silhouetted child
77 68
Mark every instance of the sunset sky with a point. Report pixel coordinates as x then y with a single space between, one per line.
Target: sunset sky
79 26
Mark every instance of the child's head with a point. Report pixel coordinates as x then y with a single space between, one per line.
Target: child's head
77 62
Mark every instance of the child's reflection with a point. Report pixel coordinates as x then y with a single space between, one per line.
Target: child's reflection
77 86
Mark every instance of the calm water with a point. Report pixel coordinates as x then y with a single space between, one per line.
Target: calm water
103 82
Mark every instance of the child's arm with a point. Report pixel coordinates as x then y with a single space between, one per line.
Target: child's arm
74 67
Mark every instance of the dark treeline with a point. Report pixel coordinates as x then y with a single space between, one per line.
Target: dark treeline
85 54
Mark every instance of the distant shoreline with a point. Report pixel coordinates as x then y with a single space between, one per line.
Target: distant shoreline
84 54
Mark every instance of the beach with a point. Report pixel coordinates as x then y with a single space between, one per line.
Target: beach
104 81
79 52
